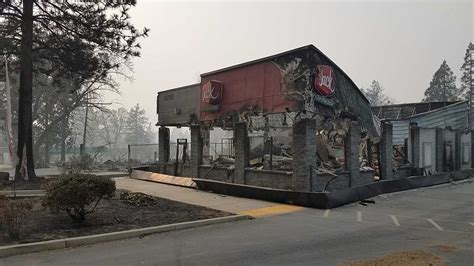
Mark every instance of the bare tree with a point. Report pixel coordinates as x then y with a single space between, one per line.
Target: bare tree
376 95
105 27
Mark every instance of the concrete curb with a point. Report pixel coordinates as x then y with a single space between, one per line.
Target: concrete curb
23 193
13 250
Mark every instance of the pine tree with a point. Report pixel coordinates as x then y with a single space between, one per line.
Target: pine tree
442 86
466 72
137 122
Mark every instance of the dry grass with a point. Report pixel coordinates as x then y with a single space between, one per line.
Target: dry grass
405 258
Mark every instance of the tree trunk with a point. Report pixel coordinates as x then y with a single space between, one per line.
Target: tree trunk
25 117
47 143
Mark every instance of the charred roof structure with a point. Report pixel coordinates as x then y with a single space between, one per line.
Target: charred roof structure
406 110
301 80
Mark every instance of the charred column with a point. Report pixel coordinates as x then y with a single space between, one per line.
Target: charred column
351 151
472 149
457 150
415 147
241 145
164 144
386 152
304 154
196 150
439 150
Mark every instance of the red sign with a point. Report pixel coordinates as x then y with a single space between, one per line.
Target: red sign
324 81
212 92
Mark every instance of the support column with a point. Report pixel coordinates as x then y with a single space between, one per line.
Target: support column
415 147
386 151
457 150
351 152
241 146
196 150
304 154
439 150
472 149
164 144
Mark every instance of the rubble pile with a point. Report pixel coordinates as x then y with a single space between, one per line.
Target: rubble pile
137 199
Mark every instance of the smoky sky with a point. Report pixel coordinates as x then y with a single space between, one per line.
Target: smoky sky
398 43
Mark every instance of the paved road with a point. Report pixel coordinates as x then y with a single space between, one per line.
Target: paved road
426 219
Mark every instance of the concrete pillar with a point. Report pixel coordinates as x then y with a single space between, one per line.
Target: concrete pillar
386 151
196 150
164 144
472 149
415 146
457 150
351 151
439 146
242 147
304 154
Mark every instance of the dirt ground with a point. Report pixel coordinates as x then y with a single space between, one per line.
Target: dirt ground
405 258
125 211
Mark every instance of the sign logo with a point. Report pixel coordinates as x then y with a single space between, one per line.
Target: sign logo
212 95
325 82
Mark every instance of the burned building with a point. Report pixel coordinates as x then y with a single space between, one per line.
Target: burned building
299 125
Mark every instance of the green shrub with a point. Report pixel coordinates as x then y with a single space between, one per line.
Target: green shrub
77 194
13 214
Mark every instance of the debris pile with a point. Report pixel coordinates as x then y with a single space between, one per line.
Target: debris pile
138 199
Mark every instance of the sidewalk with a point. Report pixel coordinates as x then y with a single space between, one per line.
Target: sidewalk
193 196
54 171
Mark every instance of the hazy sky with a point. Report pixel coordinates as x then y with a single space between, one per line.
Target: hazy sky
399 43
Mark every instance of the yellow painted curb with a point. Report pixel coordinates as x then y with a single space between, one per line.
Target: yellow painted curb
273 210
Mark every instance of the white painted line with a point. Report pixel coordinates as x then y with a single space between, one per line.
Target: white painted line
471 224
435 225
395 220
359 216
326 213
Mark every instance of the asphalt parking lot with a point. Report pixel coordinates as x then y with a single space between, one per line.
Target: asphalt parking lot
438 220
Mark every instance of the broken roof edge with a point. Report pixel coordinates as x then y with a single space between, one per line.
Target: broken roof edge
408 104
452 105
181 87
442 109
309 46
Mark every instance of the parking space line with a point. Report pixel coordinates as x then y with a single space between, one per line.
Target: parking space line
395 220
359 216
435 225
326 213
